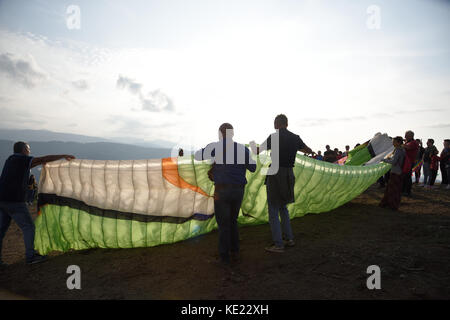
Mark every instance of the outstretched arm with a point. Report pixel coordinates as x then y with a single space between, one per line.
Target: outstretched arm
307 150
42 160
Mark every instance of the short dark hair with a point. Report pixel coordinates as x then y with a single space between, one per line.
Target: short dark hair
447 140
19 146
399 139
223 129
281 119
431 140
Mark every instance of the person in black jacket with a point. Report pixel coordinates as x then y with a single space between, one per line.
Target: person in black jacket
280 179
13 196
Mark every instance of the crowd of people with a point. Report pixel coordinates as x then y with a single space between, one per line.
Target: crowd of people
407 160
331 155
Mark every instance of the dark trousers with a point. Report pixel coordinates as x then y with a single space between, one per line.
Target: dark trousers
444 174
407 182
17 211
433 176
417 173
383 180
227 203
393 193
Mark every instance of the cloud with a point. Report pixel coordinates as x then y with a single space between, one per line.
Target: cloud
13 118
439 126
127 83
153 101
315 122
24 71
419 111
80 84
156 101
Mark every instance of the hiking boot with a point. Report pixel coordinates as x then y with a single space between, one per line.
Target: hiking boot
274 248
37 258
289 243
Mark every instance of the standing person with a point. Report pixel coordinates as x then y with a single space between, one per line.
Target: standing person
445 164
231 160
418 160
434 167
393 191
427 154
347 150
329 155
411 147
319 156
280 185
13 196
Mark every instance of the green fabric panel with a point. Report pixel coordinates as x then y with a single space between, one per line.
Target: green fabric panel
319 186
358 156
50 236
195 173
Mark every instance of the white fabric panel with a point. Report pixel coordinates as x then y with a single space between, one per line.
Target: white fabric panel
136 186
380 143
380 157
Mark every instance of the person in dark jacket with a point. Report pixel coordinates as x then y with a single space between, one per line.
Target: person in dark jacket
444 158
231 161
280 179
13 196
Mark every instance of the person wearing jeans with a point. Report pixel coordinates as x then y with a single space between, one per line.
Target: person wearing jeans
279 230
13 196
280 179
18 212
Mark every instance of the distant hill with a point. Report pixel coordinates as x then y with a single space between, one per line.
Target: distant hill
92 150
45 136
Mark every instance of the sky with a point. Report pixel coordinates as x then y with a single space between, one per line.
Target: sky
174 70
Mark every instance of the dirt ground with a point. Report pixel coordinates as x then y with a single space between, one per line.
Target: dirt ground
330 260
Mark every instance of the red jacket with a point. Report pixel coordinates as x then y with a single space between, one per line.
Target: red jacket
434 162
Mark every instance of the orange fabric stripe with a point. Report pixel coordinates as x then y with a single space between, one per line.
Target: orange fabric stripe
170 173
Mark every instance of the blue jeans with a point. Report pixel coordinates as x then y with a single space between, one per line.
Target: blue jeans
17 211
276 227
227 204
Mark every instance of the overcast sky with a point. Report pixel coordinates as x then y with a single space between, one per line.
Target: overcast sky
176 69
